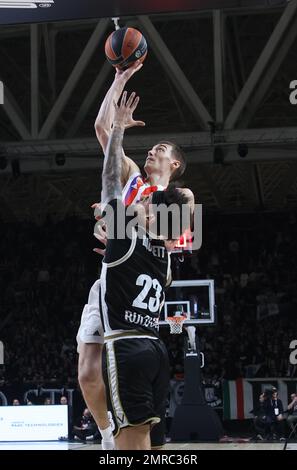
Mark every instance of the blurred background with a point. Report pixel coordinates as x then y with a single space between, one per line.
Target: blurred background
219 84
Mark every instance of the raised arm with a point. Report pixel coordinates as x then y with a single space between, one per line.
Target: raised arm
105 119
112 169
111 175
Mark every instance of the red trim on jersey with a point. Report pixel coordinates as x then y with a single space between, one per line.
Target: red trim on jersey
149 190
132 192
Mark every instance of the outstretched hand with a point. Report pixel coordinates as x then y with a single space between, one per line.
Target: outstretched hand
99 229
128 73
124 111
100 251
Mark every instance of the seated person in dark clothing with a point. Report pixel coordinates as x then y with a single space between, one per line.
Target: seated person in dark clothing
292 411
64 401
275 413
269 419
262 426
87 428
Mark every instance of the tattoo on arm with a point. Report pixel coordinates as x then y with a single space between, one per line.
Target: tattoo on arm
111 176
106 112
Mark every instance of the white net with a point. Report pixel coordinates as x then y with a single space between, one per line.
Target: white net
176 324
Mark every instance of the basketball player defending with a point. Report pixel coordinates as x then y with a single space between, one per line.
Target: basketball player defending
135 272
165 162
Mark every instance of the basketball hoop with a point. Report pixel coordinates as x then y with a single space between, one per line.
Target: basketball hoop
176 324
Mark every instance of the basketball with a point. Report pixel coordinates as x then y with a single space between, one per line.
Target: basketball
124 46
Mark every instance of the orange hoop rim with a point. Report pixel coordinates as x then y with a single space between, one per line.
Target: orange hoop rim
177 319
176 324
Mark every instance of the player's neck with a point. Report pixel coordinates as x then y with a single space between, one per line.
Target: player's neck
158 180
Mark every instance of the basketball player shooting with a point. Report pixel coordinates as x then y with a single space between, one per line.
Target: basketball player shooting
165 162
135 272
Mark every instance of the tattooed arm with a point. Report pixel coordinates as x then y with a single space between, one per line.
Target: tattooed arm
111 176
112 169
105 119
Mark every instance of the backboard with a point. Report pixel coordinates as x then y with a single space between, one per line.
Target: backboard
193 298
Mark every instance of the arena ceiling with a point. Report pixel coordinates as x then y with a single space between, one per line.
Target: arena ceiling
211 81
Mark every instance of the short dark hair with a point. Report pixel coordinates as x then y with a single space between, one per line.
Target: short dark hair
180 156
268 392
171 195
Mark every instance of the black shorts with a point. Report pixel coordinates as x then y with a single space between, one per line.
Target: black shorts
136 376
158 431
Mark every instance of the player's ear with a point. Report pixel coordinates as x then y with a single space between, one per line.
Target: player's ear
175 164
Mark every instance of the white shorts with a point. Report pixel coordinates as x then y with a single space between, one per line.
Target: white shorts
90 329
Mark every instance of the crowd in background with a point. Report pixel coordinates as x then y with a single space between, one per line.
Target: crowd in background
46 272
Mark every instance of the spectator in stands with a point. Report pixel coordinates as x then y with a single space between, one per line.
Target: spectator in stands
269 418
275 413
15 402
261 423
88 429
292 411
63 400
44 284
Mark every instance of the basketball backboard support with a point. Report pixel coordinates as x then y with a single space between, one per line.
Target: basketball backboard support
193 298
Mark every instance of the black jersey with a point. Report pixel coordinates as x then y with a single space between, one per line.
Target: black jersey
134 274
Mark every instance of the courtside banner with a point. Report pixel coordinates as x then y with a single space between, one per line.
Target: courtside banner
26 11
33 423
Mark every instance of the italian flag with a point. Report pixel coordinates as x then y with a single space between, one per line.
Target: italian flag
238 399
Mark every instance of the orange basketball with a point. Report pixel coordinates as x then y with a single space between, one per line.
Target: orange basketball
124 46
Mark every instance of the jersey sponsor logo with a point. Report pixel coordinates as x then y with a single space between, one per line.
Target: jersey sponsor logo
137 319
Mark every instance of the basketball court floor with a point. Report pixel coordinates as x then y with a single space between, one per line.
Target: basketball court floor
169 447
